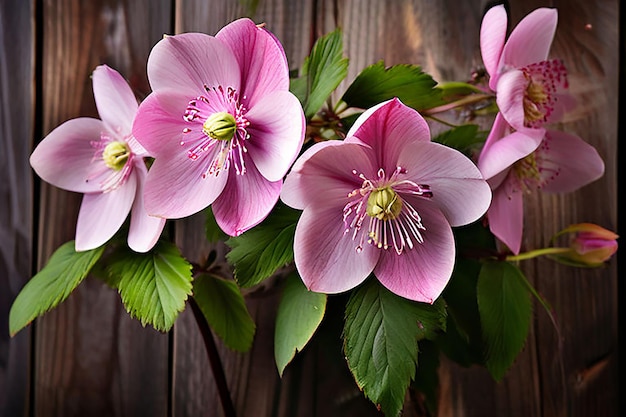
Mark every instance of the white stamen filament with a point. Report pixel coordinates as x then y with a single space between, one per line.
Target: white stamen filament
393 221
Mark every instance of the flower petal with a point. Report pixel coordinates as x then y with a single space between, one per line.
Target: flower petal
510 98
102 214
144 230
499 129
325 173
421 273
388 128
175 186
503 153
159 123
276 132
506 215
458 188
568 163
65 158
531 39
260 56
325 256
190 61
246 201
492 37
565 103
115 100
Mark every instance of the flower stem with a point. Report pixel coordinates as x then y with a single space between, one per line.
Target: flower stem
471 99
214 359
535 253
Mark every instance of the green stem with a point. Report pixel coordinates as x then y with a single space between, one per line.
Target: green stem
214 359
535 253
443 122
471 99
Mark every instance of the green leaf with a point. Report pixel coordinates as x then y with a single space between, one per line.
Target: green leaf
463 138
409 83
224 308
250 6
64 271
154 286
454 89
300 312
212 230
380 341
505 310
462 342
427 377
260 251
321 73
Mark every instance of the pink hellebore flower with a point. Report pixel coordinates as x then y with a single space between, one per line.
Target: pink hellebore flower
221 123
524 160
383 201
520 154
530 89
101 159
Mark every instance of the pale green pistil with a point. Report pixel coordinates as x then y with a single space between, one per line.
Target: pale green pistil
384 204
115 155
220 126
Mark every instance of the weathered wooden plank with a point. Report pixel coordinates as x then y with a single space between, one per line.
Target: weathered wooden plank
585 301
16 129
120 369
442 37
252 377
91 358
579 376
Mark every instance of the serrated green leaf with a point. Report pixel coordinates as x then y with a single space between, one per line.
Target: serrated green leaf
225 310
380 341
154 286
462 138
64 271
505 310
321 73
409 83
260 251
300 312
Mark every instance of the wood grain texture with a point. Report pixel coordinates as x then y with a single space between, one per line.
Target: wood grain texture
91 358
252 377
17 114
551 377
572 371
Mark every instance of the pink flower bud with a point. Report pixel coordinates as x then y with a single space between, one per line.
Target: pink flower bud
590 244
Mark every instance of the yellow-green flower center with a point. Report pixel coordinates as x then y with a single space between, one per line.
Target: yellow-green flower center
220 126
534 100
528 173
115 155
384 204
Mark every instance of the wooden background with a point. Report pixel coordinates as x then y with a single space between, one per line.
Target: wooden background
88 358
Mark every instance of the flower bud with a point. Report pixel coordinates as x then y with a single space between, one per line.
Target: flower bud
590 245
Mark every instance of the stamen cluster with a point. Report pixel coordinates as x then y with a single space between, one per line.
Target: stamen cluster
222 140
545 79
391 219
117 158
